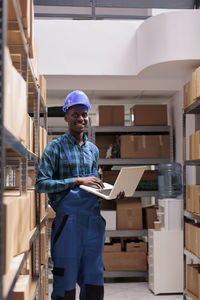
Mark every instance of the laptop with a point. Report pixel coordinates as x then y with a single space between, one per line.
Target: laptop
126 181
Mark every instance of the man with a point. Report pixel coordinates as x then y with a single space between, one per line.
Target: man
78 230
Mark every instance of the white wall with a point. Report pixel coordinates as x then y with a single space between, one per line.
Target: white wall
71 47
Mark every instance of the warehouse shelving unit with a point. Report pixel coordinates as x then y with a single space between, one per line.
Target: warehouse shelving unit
111 205
2 42
193 109
14 153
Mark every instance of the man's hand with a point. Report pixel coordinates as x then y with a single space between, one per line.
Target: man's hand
120 196
90 181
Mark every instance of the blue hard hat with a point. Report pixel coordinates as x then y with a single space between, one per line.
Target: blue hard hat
75 98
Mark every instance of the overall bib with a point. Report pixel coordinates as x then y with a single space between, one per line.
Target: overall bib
77 243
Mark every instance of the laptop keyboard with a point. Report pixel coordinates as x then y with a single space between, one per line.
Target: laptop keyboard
105 191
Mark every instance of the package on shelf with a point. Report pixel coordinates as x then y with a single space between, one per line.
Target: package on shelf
43 201
30 134
104 142
193 198
25 12
136 246
16 60
129 214
44 249
14 100
44 294
110 115
110 218
31 194
110 176
145 146
125 261
31 40
9 230
192 238
30 178
115 247
43 139
20 219
21 288
195 84
150 215
149 115
43 87
195 145
188 94
193 279
34 60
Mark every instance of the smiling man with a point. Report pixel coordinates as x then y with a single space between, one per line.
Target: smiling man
78 230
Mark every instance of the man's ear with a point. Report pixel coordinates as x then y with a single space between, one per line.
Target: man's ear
66 117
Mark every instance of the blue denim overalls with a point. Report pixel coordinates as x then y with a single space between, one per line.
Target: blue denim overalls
77 243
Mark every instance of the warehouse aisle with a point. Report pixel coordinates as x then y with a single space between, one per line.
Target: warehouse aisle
129 291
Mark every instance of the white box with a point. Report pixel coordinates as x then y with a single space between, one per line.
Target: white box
170 214
110 217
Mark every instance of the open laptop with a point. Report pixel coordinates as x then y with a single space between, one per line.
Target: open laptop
126 181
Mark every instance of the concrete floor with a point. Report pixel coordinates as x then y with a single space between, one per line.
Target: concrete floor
129 291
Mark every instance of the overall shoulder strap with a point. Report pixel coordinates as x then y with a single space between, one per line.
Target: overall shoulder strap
68 158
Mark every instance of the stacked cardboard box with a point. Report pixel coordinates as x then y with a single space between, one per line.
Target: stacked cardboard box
193 198
195 145
144 146
103 142
149 115
192 238
188 94
195 84
111 115
133 259
193 279
14 101
21 288
129 214
150 216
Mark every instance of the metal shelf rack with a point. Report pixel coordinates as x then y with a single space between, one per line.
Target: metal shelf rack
106 205
12 149
194 109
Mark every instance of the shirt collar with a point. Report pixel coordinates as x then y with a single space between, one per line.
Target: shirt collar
72 139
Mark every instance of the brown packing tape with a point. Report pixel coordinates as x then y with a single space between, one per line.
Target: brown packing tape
144 142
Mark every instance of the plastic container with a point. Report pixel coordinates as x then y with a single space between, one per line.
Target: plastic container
169 180
170 214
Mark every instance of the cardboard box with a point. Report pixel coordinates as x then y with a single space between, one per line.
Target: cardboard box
43 87
149 115
150 216
110 218
195 84
145 146
150 175
30 178
44 249
9 228
129 214
15 88
33 207
187 94
103 142
110 176
196 198
21 288
42 206
31 40
111 115
116 247
197 144
136 247
189 199
125 261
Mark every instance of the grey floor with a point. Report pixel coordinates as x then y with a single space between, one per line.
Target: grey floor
129 291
